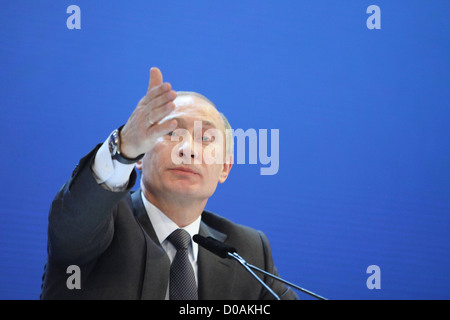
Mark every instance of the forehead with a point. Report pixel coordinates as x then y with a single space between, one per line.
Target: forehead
192 108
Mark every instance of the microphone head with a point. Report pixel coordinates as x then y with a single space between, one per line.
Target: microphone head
215 246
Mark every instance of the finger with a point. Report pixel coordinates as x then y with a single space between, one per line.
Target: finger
162 99
160 113
159 90
163 127
155 92
156 78
148 104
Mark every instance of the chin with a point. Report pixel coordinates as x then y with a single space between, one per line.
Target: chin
182 187
189 190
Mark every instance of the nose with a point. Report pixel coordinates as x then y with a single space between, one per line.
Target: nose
188 150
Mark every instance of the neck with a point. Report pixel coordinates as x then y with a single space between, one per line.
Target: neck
181 210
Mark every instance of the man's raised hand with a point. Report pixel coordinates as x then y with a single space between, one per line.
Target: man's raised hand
143 127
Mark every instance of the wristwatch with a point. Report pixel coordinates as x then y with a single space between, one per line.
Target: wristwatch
114 149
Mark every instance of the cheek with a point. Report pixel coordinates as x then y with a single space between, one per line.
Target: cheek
151 163
157 161
214 172
213 154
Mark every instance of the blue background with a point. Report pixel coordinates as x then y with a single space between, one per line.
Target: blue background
363 116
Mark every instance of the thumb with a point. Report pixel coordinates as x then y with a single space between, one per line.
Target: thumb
156 78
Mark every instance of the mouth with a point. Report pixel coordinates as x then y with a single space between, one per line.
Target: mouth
184 171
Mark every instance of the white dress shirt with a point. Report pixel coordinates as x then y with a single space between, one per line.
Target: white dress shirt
163 227
110 173
114 176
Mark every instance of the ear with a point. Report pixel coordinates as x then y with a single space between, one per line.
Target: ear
139 165
226 169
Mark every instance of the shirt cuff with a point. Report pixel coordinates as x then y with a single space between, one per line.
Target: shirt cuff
110 173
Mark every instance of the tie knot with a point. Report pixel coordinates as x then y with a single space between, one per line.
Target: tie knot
180 239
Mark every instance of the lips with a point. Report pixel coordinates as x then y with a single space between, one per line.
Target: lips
184 171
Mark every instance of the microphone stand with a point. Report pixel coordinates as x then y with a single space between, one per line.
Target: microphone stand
248 267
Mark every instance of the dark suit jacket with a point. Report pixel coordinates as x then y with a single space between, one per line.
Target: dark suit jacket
108 235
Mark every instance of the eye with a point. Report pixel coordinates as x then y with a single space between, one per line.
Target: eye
206 138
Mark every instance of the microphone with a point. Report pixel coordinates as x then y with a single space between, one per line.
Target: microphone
225 251
215 246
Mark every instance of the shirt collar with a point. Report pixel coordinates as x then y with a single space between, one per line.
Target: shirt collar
164 226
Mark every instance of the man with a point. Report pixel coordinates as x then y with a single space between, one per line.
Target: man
125 245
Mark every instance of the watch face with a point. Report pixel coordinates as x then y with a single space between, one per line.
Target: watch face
112 143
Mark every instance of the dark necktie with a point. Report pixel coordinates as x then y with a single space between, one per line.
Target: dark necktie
182 279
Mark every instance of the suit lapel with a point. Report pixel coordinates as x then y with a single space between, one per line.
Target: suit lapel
216 275
157 263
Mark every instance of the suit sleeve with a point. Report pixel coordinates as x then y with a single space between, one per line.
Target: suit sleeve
81 218
284 292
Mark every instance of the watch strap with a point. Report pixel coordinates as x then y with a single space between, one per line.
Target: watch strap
116 155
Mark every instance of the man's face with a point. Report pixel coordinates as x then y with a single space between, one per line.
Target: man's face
189 161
